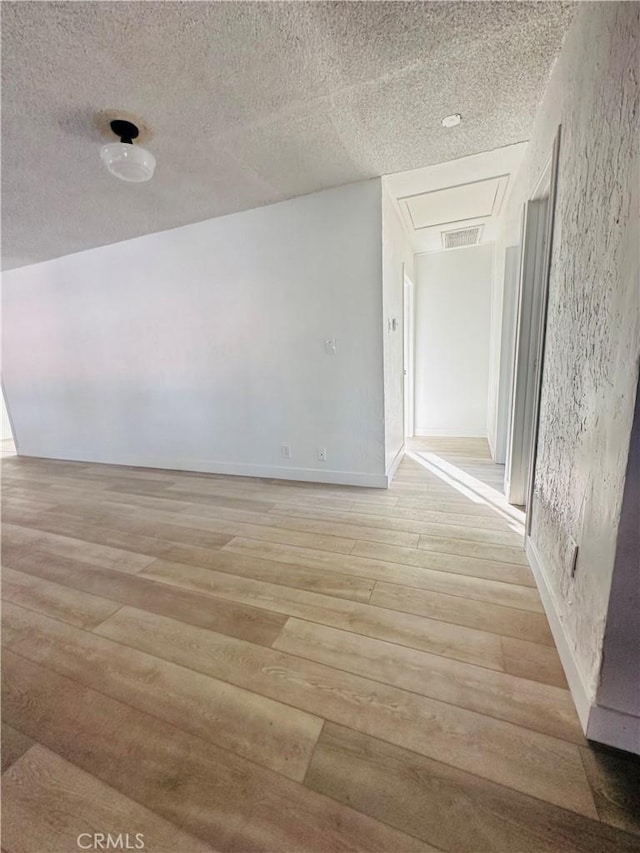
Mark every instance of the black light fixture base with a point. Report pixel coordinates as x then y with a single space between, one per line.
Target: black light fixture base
126 130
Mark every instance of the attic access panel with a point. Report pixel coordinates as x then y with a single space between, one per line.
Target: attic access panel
476 200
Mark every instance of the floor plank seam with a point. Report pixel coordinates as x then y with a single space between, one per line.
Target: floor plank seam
313 752
469 773
289 616
127 796
419 755
93 627
344 573
390 610
163 720
293 655
373 589
220 598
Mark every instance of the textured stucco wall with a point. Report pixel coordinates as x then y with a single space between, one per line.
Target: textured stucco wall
592 347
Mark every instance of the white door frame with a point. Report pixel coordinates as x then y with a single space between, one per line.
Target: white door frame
530 339
408 360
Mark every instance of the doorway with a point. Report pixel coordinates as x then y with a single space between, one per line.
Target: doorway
537 232
408 357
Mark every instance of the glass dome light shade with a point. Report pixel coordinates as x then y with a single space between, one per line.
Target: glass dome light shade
128 162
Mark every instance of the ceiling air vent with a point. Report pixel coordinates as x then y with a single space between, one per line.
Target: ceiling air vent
461 237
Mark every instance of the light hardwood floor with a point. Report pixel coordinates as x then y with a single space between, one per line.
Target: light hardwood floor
234 664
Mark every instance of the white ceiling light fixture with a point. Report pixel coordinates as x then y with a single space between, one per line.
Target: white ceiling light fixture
125 160
452 120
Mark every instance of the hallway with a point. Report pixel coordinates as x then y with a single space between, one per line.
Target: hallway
222 663
470 457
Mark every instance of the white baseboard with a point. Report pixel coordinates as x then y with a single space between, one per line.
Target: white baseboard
394 465
204 466
445 432
576 685
614 728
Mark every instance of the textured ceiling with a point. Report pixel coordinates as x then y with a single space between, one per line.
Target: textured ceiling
248 103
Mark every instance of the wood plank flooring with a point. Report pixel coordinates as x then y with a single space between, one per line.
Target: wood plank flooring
235 664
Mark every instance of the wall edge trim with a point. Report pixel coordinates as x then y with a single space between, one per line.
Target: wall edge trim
614 728
394 465
492 446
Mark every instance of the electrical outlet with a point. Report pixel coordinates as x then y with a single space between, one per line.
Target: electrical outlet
285 449
573 555
322 454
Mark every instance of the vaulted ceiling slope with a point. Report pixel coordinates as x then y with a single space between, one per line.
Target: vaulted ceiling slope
248 103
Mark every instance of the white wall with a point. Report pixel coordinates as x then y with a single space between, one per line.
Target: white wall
453 320
202 348
593 332
397 258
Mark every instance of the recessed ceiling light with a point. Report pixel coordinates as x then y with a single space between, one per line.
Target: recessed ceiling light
123 159
452 120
